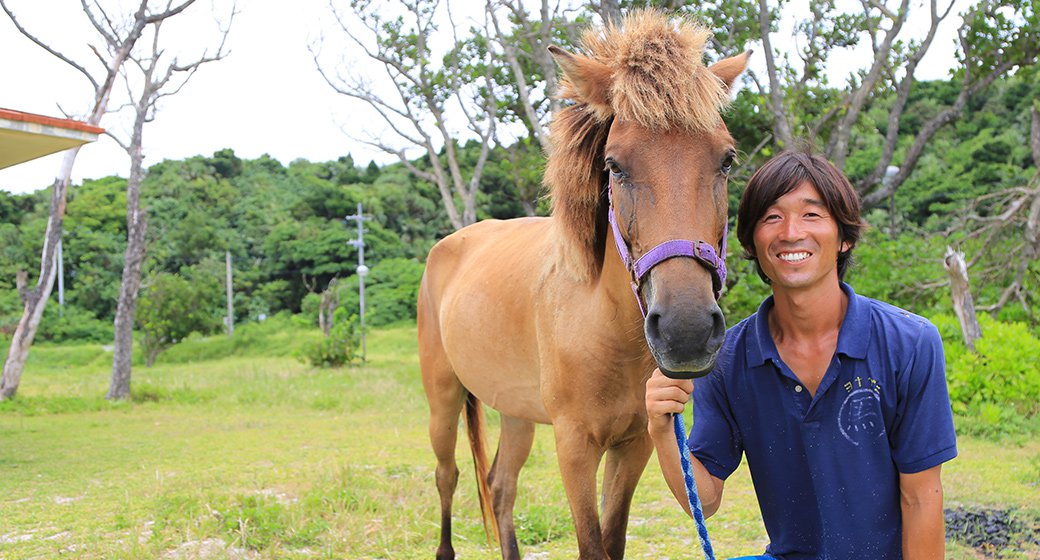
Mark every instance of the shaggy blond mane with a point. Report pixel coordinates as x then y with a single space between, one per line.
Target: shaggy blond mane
658 80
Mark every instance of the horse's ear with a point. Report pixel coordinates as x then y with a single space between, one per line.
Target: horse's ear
591 80
728 69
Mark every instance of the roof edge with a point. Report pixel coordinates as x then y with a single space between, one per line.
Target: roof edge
33 118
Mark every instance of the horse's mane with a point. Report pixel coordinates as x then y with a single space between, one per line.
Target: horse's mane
658 80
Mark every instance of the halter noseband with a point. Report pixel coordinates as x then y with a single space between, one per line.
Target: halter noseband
703 253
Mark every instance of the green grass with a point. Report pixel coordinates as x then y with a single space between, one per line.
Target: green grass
247 452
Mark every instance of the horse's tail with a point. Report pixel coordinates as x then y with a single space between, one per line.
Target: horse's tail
475 431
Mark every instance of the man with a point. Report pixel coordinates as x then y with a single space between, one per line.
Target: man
839 401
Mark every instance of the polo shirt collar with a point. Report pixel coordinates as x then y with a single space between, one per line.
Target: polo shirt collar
853 338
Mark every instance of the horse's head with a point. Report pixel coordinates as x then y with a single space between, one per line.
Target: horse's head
647 127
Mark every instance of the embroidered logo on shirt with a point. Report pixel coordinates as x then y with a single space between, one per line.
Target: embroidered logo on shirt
859 418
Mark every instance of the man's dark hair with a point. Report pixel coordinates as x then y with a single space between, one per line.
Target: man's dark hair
785 173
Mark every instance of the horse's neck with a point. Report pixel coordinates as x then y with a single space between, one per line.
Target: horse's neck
616 282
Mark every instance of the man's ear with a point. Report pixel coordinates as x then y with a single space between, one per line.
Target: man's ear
728 69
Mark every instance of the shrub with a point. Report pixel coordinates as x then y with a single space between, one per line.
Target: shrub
73 324
171 307
340 347
998 385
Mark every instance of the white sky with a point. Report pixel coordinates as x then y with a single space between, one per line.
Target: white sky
265 97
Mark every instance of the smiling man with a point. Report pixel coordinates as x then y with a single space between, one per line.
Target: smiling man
838 401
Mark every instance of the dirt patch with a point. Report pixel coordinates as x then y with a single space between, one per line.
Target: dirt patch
992 530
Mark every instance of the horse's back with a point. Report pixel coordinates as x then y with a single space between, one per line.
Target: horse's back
476 310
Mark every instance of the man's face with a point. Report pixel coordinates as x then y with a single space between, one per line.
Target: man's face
797 241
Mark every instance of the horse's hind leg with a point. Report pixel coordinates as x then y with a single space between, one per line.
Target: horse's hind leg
514 445
625 464
446 397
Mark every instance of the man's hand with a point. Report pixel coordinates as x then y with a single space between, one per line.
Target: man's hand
665 396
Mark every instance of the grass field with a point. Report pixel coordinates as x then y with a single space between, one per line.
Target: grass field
255 455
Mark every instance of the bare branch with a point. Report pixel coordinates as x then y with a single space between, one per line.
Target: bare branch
46 47
781 121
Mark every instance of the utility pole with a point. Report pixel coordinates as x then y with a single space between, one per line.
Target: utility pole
61 280
230 319
362 270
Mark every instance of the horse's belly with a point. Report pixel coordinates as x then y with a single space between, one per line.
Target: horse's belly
492 349
486 315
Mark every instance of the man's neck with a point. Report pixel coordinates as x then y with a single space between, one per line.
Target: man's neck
807 315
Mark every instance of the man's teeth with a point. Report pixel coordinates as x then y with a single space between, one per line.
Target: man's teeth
792 257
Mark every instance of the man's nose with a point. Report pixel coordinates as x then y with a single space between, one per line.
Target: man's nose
792 230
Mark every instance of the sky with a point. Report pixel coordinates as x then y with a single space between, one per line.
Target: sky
266 96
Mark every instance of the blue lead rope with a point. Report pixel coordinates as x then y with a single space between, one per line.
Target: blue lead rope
691 487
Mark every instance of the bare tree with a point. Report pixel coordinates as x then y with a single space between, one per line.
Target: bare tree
157 80
427 96
119 40
524 46
991 44
527 86
990 47
1011 214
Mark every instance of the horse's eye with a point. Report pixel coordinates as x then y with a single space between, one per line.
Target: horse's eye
613 167
727 162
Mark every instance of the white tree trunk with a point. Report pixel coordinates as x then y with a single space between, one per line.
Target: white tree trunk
36 300
963 304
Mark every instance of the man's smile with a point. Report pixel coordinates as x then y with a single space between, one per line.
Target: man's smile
794 257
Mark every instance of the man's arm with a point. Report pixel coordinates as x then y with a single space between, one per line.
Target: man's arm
664 397
921 501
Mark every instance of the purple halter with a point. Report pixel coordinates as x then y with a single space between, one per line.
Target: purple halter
703 253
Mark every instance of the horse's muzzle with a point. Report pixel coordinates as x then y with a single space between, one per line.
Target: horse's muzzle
685 340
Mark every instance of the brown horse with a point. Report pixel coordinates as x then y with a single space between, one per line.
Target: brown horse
536 316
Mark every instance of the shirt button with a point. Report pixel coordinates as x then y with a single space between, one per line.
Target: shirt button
797 388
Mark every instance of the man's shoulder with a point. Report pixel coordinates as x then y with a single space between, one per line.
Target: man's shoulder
896 322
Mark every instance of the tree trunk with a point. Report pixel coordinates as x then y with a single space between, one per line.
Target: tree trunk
36 300
152 354
963 304
119 387
136 225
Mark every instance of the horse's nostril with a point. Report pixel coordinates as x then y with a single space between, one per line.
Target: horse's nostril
718 329
653 325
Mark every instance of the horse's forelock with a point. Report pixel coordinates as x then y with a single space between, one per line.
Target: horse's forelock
660 80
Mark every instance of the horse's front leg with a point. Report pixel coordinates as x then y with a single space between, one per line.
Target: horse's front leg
625 464
579 457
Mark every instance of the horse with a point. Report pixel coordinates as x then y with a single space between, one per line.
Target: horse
536 317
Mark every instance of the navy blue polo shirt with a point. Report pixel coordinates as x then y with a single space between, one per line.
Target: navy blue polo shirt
826 468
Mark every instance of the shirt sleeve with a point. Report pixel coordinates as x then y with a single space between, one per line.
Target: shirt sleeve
923 434
715 437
